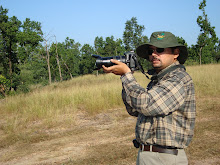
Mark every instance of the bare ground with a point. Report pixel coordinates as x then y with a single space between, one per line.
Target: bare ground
87 133
89 139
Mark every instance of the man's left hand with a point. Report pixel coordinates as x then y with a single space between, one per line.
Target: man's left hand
118 69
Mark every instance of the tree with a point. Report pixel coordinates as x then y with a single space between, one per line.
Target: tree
86 61
120 49
207 39
54 53
217 56
58 63
47 57
38 66
71 56
29 38
18 45
132 35
99 45
110 47
3 85
9 28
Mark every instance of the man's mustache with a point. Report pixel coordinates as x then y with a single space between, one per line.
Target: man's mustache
155 59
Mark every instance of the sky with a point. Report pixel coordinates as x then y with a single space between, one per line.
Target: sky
84 20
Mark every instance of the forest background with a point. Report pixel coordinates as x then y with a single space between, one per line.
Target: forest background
29 58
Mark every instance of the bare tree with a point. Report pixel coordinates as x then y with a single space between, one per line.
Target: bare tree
58 62
47 45
48 61
71 76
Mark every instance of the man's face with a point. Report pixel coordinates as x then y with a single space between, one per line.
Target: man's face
161 60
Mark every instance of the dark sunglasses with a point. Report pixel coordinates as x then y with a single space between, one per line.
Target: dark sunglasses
158 50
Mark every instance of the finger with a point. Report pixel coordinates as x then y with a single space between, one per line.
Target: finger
104 67
107 69
116 61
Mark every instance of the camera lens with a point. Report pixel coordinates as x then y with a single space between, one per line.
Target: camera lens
106 61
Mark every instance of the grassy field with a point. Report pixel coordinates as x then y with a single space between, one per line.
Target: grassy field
83 121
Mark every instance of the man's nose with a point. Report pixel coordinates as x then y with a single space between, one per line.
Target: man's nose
154 54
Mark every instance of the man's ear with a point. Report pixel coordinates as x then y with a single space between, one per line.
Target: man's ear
176 52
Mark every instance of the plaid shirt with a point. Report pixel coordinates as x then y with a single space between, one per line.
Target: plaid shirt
165 111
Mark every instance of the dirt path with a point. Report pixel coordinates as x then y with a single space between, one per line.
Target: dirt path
88 134
70 147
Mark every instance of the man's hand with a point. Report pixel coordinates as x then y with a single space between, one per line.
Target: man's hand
118 69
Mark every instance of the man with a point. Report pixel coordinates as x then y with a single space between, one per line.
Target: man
165 111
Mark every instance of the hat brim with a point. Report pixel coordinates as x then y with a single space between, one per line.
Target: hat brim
142 51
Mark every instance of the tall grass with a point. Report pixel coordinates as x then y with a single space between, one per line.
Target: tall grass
206 79
58 104
90 93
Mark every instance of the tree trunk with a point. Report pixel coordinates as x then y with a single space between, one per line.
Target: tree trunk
200 56
68 70
2 90
10 67
48 63
58 63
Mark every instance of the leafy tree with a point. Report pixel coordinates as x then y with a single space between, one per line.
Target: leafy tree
29 38
38 67
217 56
181 41
192 55
4 83
132 35
18 45
86 61
207 39
9 28
120 49
70 57
2 54
99 45
110 46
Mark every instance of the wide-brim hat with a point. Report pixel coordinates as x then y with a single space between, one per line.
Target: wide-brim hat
163 39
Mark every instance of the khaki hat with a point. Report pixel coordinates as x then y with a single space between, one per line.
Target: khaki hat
163 39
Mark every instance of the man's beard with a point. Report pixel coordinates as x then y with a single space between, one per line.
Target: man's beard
158 63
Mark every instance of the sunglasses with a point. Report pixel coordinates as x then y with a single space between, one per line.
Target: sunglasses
158 50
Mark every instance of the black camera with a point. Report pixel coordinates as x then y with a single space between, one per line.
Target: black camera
129 58
136 143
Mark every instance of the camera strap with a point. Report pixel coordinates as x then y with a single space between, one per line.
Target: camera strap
141 68
161 75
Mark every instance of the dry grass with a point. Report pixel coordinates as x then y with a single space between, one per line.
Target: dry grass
83 121
206 79
50 106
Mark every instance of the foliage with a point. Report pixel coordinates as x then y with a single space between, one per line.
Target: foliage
132 35
207 38
25 60
18 42
29 38
86 64
4 84
9 28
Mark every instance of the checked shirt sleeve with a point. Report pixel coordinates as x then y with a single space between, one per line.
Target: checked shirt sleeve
166 96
